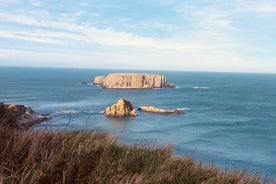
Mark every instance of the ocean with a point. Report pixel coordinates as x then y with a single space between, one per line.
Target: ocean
229 120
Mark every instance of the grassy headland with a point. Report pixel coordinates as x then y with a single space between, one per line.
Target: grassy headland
83 156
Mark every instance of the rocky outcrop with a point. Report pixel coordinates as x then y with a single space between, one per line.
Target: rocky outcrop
98 80
152 109
121 109
21 115
132 81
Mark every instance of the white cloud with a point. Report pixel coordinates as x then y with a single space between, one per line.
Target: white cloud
42 36
101 36
84 4
9 1
265 6
118 59
36 3
25 36
204 38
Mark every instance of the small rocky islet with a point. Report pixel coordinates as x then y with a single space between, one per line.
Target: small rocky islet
120 109
124 108
152 109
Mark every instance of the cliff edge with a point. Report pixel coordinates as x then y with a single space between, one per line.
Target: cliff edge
132 81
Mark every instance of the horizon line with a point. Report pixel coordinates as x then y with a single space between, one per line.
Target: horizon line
125 69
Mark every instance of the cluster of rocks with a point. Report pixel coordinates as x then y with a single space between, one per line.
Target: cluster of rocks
132 81
124 108
24 116
21 115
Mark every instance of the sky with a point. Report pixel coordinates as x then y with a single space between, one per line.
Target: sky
186 35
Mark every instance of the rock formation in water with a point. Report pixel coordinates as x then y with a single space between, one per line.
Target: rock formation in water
21 115
132 81
152 109
120 109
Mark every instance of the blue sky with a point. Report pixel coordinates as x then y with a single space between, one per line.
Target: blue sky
190 35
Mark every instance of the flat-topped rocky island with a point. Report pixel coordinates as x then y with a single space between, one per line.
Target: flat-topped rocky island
132 81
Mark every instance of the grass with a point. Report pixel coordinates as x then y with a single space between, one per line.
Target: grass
83 156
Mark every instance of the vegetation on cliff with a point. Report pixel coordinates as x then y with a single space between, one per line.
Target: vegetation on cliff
83 156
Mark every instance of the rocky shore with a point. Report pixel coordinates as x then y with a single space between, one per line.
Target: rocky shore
22 115
132 81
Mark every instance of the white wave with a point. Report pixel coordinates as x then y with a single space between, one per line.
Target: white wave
157 88
201 87
67 112
183 108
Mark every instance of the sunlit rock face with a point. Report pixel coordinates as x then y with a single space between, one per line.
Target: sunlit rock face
132 81
120 109
152 109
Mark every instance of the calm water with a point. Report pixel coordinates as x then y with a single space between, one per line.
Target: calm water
230 120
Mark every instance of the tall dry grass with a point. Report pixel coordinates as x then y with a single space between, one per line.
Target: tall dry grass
92 157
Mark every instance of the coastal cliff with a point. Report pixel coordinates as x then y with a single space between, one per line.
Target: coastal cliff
132 81
21 115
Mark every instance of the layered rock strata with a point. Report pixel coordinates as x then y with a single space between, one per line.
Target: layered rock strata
152 109
132 81
120 109
23 116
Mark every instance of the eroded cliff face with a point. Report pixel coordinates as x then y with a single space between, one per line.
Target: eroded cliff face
132 81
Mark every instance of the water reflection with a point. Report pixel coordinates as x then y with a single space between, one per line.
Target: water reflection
119 125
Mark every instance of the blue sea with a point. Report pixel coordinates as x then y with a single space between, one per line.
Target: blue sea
229 120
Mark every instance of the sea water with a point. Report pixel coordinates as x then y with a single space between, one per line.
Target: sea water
229 120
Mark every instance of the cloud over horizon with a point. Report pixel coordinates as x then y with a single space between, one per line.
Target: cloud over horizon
237 36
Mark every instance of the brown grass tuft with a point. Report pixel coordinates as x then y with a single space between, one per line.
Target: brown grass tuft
91 157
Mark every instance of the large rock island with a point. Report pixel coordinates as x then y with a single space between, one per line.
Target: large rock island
132 81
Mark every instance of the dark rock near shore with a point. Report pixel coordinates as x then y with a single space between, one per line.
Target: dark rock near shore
85 83
21 115
152 109
120 109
